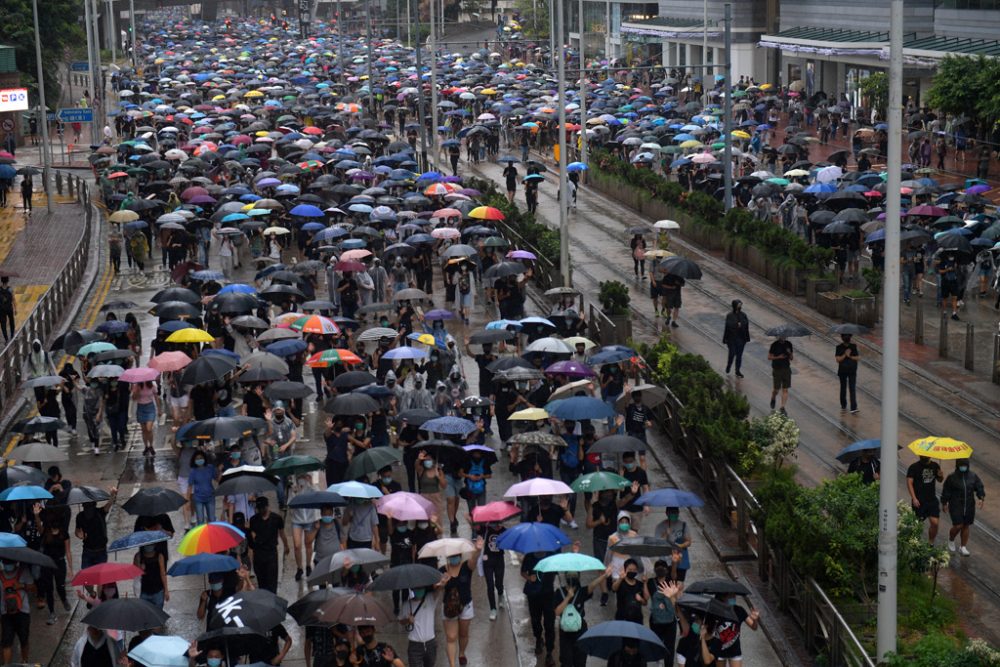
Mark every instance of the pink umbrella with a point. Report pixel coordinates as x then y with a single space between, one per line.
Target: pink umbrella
447 213
404 506
446 233
496 511
141 374
166 362
356 254
539 486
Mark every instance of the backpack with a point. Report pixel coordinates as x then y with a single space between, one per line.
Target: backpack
452 603
464 284
568 457
478 486
570 619
11 595
661 609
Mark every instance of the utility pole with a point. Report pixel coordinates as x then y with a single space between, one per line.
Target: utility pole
727 154
44 120
368 42
340 42
583 92
552 32
113 31
94 62
567 279
704 53
887 546
131 18
432 135
420 88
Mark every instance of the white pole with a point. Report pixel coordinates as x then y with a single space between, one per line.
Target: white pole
583 92
44 120
432 137
727 159
567 279
93 61
131 19
704 53
887 547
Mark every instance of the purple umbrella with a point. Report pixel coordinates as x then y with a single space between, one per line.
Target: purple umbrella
362 175
268 182
570 368
469 192
201 199
521 254
977 189
438 314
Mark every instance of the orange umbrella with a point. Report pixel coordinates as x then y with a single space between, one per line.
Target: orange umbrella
486 213
328 358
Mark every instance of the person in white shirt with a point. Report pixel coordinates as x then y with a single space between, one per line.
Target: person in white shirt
417 615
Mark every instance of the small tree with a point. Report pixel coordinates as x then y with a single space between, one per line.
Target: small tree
534 18
614 298
875 87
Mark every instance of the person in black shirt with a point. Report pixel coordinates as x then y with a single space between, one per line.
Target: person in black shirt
269 653
550 512
92 528
638 417
867 465
493 565
780 355
698 644
538 592
628 656
921 481
847 371
265 529
372 653
640 485
630 594
570 655
735 336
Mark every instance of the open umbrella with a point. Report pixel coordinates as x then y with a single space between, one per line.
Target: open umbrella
128 614
161 651
680 267
599 481
354 489
707 604
259 610
210 537
140 538
296 464
405 506
36 452
447 546
788 330
717 587
86 494
494 512
154 500
569 562
402 577
203 564
539 486
26 556
449 426
246 479
372 460
942 448
331 566
356 609
579 408
317 500
221 428
617 444
854 450
605 639
106 573
669 498
530 537
645 546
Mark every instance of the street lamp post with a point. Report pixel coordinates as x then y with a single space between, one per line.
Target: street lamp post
432 136
567 279
727 160
131 18
583 92
420 89
44 120
704 53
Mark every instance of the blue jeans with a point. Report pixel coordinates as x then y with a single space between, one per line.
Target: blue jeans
907 279
155 599
204 511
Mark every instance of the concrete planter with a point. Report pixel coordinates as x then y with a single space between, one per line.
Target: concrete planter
756 261
816 285
829 304
773 273
860 310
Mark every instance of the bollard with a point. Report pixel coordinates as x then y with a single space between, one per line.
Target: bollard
996 358
970 350
918 327
943 337
59 182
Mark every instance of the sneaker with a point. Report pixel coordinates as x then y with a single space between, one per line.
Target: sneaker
772 403
500 601
965 552
51 620
951 546
782 411
604 599
854 411
97 451
309 570
493 614
298 575
573 524
954 316
727 370
738 374
539 645
454 528
674 324
65 604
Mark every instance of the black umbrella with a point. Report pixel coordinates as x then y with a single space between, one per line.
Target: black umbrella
232 303
509 363
838 228
855 215
718 587
44 381
331 566
153 501
207 368
707 604
356 609
222 428
250 322
644 545
821 218
279 293
176 294
26 556
402 577
353 380
259 610
788 330
443 451
317 500
415 417
605 639
287 390
503 270
129 614
72 341
86 494
174 310
351 404
848 328
304 609
617 444
680 267
246 483
38 424
955 242
491 336
261 374
21 474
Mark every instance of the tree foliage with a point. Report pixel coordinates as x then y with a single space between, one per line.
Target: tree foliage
966 86
59 28
875 87
534 18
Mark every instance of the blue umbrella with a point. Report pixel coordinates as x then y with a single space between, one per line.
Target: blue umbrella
138 539
604 639
203 564
174 325
609 357
222 352
376 391
307 211
576 166
12 540
26 492
136 224
580 408
313 227
207 275
669 498
405 353
113 327
512 325
877 235
7 171
286 348
853 450
448 426
819 188
355 490
238 288
541 321
161 651
531 537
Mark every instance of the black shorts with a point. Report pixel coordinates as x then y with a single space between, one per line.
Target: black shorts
782 378
950 288
960 518
673 298
14 625
927 510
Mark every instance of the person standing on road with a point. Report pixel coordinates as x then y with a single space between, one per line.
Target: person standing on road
510 176
418 616
265 529
867 465
27 188
780 355
847 370
958 497
670 290
735 336
921 481
92 528
8 307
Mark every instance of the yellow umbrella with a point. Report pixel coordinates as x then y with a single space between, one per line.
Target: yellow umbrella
426 339
766 86
937 447
691 143
740 134
656 253
528 414
254 93
124 216
190 335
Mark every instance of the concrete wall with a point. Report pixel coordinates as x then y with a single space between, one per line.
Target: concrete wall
867 15
746 13
967 23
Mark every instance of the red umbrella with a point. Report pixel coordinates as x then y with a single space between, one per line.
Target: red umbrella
106 573
349 266
495 511
927 210
183 269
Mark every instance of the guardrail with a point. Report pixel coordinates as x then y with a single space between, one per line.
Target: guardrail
545 272
823 628
47 313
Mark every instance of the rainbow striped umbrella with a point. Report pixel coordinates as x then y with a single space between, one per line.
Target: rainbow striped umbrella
210 538
316 324
333 356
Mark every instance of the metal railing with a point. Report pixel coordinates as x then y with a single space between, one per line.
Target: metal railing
47 312
823 628
544 273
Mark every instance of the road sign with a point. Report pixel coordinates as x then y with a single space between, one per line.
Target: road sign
13 99
76 115
8 125
80 66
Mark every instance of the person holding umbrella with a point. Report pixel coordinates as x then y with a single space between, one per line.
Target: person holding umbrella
958 497
730 652
458 609
15 620
94 648
780 355
699 644
867 465
569 603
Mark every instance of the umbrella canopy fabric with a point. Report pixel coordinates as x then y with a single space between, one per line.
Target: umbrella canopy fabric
605 639
128 614
539 486
447 546
645 546
356 609
617 444
106 573
372 460
153 501
935 447
569 562
203 564
717 587
599 481
707 604
161 651
530 537
669 498
405 506
788 330
317 500
140 538
352 489
580 408
210 537
27 556
260 610
496 511
855 449
402 577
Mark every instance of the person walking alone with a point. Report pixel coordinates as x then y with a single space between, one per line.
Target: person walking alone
958 497
847 370
735 336
780 355
921 479
8 306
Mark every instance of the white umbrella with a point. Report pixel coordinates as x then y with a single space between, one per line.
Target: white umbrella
446 546
539 486
666 224
829 174
549 345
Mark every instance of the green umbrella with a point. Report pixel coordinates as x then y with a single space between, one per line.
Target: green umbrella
95 347
569 562
599 481
372 460
293 465
496 242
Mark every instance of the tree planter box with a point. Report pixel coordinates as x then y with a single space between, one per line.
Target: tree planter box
816 285
829 304
860 310
773 273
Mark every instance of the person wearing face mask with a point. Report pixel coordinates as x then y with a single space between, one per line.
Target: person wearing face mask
303 526
94 649
361 525
493 564
457 607
735 336
674 530
417 615
201 488
328 535
538 591
662 593
867 465
922 478
386 484
280 438
627 656
630 593
475 472
210 599
418 397
958 497
55 545
616 560
211 658
430 480
265 529
698 645
153 586
92 528
730 652
372 653
602 521
570 609
638 417
402 552
633 472
15 620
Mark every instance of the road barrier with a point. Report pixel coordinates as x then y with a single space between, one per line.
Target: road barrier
48 312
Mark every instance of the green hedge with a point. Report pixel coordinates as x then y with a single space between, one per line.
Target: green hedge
778 243
542 237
